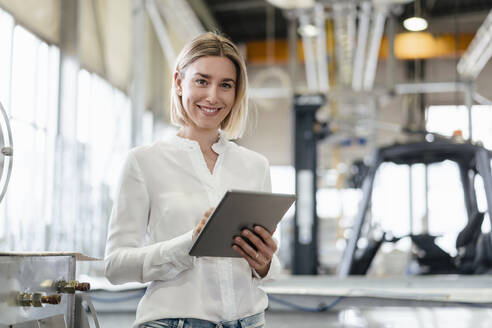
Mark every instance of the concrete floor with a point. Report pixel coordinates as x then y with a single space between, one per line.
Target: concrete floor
400 302
410 302
351 317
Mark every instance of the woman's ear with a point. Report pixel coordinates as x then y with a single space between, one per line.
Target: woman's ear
177 82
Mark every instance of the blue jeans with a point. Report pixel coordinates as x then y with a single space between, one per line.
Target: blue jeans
254 321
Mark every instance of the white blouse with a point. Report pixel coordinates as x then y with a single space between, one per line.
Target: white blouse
164 191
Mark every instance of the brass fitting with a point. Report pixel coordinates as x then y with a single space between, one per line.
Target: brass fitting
37 299
71 286
51 299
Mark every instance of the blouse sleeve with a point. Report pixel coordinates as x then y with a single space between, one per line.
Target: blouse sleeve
275 266
127 258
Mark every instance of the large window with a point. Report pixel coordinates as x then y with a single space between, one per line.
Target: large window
447 119
29 93
32 216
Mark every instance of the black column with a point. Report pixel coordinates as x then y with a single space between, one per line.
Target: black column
305 253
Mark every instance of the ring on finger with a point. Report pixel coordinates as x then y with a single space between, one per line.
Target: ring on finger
257 255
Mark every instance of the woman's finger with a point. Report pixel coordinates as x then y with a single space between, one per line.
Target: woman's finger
202 222
209 211
206 216
248 258
267 237
262 249
250 251
258 257
245 246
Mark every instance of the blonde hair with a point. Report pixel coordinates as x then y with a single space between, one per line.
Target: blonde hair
212 44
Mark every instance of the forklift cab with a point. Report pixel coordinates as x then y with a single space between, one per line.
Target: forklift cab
474 247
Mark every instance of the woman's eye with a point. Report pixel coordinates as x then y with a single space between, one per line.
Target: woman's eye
226 85
201 82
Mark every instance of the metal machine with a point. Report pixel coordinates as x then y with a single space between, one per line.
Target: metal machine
36 289
5 151
472 160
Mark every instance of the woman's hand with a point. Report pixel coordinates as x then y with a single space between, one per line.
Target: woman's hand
200 225
262 240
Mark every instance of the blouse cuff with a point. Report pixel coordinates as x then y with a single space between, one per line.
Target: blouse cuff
179 249
272 273
170 259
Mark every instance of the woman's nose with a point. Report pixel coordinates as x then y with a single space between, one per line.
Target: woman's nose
212 95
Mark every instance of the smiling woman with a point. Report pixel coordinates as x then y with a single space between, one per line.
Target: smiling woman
207 91
167 192
228 73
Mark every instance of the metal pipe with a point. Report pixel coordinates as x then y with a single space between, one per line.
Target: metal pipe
67 166
181 11
468 190
469 104
390 69
372 57
430 87
292 35
204 13
360 50
410 198
309 61
161 31
319 15
483 166
344 23
481 99
478 52
425 219
348 256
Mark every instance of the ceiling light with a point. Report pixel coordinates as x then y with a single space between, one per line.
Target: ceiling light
308 30
415 24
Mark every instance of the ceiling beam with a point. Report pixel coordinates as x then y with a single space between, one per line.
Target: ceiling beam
203 12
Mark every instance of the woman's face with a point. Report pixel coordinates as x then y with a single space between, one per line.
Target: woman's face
208 89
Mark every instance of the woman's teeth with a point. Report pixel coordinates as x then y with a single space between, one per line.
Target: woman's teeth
209 110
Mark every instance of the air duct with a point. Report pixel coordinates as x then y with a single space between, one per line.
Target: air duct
478 53
344 21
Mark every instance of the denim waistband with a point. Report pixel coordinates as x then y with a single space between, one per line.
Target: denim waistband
254 321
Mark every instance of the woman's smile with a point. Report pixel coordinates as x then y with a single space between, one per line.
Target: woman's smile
209 111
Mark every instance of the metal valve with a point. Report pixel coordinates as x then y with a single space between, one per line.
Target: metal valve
71 286
37 299
7 151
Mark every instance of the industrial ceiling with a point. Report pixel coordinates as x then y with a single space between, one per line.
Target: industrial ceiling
246 20
105 41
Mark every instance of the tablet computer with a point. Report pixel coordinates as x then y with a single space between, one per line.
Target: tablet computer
238 210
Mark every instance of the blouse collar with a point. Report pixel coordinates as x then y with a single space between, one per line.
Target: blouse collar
185 143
